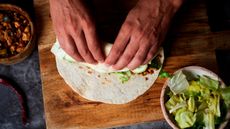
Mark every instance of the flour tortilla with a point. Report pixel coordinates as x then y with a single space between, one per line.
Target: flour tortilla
104 87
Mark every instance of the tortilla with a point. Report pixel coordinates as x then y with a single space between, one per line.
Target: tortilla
103 87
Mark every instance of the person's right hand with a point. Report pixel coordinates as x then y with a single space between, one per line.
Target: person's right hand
75 30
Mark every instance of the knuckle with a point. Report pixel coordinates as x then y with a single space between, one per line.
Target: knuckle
140 30
123 32
128 25
87 23
69 26
76 34
76 31
146 40
82 16
142 37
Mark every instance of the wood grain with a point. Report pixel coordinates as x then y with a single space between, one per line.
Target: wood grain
189 42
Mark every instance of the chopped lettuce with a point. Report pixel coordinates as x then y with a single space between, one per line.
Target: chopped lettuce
202 106
209 83
164 74
191 104
214 104
225 93
124 76
178 106
197 104
209 120
140 69
185 118
193 89
175 103
199 119
204 94
178 83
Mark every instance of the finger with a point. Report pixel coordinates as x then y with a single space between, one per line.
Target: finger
68 45
151 54
127 56
139 57
82 47
93 42
119 44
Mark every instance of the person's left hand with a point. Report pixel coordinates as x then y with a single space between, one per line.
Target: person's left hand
142 33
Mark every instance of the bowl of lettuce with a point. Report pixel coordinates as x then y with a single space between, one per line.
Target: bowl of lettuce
195 98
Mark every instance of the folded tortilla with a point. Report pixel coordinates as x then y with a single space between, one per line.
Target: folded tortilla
101 83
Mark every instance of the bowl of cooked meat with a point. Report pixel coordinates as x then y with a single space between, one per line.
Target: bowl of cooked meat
17 38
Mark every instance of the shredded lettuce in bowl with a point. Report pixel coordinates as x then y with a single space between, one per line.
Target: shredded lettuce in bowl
200 103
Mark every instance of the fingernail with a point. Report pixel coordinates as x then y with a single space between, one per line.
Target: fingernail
101 61
93 62
107 63
115 67
130 66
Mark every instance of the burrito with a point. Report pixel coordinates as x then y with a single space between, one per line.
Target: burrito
99 82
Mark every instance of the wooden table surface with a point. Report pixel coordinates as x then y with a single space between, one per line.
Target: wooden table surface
190 42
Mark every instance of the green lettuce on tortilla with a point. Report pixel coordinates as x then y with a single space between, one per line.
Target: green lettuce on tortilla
123 74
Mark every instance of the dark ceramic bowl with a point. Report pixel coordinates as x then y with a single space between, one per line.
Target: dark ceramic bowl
31 43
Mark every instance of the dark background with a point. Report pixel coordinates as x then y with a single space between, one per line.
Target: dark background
25 76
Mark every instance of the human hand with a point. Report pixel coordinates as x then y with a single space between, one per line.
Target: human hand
75 30
142 33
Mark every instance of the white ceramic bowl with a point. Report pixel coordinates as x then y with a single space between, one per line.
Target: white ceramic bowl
190 72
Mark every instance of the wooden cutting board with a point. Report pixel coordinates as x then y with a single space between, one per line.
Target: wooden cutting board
189 42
